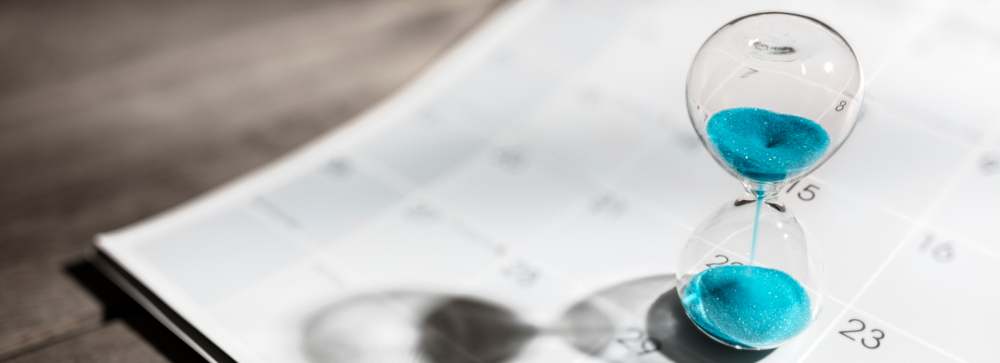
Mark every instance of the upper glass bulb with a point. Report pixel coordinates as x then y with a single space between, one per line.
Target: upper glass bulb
772 96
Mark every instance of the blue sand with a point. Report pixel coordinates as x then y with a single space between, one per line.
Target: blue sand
747 306
764 145
756 223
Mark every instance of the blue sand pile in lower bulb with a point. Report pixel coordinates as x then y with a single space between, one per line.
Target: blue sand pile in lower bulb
747 306
764 145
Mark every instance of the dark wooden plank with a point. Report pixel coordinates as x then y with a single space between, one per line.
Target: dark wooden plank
47 42
127 110
115 342
39 303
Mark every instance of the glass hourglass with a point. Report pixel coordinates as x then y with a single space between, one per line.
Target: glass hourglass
772 96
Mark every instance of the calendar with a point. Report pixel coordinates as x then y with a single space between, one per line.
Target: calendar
527 198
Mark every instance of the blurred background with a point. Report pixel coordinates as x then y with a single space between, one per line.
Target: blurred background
113 110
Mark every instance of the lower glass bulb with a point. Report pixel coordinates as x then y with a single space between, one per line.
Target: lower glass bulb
751 285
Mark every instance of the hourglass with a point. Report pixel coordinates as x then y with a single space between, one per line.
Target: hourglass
771 96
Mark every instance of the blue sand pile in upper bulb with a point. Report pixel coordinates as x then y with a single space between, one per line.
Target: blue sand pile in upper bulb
764 145
747 306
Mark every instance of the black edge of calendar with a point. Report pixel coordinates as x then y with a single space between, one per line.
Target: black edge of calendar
152 303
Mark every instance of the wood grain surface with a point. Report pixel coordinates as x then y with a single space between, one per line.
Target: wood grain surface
114 110
114 342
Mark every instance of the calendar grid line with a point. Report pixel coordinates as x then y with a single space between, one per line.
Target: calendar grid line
919 224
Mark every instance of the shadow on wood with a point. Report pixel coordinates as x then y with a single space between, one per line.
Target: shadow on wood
118 305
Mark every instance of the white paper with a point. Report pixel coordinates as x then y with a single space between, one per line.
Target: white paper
546 170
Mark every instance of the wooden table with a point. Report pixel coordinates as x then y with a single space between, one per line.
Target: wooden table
112 111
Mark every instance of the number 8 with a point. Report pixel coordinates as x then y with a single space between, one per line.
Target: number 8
840 106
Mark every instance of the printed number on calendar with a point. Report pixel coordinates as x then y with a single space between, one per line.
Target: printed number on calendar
721 260
806 194
636 340
521 273
871 339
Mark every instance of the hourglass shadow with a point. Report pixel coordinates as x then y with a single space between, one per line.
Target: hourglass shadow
414 327
626 322
465 330
679 339
591 324
642 317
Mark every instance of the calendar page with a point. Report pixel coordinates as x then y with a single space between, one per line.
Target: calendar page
527 199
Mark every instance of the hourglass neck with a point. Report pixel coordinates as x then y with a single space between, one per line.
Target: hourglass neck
766 190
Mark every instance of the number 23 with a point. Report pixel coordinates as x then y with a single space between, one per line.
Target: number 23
878 339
